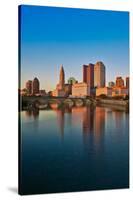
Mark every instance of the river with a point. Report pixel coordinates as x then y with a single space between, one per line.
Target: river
74 149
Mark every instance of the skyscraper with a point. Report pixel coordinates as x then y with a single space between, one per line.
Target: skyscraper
119 82
62 89
85 73
88 75
62 78
99 74
35 86
29 87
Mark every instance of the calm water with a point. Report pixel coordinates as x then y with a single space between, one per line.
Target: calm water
74 150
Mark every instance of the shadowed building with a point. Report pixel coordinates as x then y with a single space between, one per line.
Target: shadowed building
127 82
35 86
29 87
42 92
88 75
99 75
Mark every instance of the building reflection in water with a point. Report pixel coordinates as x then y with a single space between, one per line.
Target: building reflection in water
35 115
60 120
119 117
88 120
77 115
28 113
32 113
91 119
88 126
99 122
99 127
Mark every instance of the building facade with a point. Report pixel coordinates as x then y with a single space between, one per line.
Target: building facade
99 75
119 82
80 90
61 78
127 82
88 75
104 91
111 92
120 91
35 86
42 93
29 87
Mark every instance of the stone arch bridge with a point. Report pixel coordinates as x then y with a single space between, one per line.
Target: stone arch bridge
54 102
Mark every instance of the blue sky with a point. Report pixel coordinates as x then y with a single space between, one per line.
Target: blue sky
72 37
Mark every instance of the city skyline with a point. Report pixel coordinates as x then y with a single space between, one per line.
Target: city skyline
67 81
45 45
92 74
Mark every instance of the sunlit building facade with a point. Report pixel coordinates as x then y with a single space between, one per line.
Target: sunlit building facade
99 75
127 82
104 91
120 91
80 90
119 82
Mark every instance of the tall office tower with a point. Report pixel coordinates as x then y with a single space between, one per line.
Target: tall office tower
29 86
62 78
88 75
85 73
127 82
119 82
35 86
99 74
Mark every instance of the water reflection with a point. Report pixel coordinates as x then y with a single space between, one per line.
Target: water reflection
90 119
93 120
99 122
32 113
74 147
61 121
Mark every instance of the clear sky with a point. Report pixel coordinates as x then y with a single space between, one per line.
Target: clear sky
72 37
